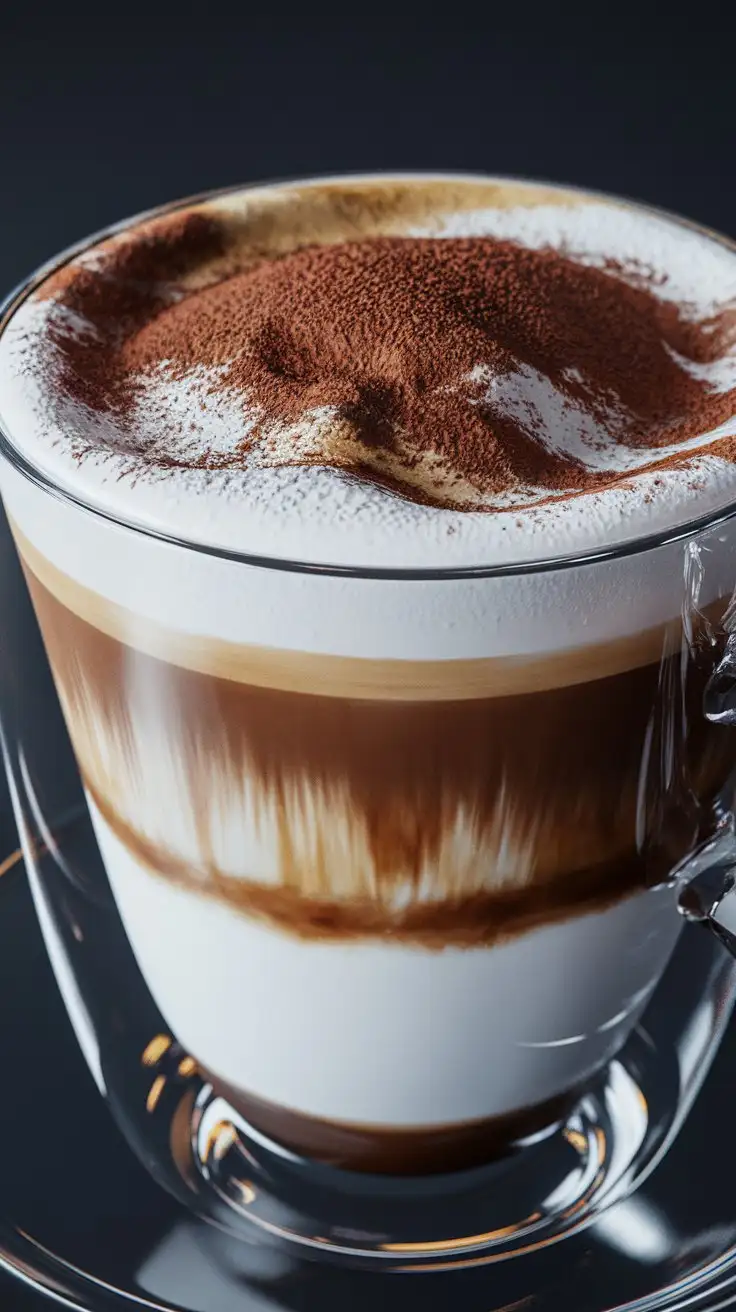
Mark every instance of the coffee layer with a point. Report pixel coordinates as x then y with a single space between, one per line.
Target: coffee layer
428 1150
437 821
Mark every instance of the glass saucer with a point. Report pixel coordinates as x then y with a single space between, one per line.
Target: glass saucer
83 1222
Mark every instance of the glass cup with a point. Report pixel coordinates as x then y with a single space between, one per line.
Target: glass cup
358 884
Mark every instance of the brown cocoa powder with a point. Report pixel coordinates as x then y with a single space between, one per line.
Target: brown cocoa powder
400 337
108 301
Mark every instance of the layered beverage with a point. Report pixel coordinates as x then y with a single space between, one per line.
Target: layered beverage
332 500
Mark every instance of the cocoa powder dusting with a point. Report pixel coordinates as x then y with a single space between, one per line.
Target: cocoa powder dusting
434 359
107 303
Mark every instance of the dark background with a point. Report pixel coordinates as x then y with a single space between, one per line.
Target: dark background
108 110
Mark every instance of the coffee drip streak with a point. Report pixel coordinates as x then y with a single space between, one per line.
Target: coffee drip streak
479 920
436 822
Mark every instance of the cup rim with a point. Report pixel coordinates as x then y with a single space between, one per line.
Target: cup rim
635 546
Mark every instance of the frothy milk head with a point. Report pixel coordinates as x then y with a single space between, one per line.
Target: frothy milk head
387 372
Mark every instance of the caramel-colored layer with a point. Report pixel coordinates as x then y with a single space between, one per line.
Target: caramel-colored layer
426 1150
347 676
433 821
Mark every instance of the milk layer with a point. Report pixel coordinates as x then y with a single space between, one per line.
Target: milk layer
384 1034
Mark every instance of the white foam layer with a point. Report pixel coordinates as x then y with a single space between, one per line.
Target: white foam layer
383 1033
194 593
325 516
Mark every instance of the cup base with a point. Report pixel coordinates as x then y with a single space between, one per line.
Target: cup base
643 1203
552 1184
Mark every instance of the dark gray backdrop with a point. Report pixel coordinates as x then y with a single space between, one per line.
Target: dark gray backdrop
134 104
105 110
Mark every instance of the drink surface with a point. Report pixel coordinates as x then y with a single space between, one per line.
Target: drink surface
387 371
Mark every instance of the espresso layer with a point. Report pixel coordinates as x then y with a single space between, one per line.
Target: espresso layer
435 821
427 1151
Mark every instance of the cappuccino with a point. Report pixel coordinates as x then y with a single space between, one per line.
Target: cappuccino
384 804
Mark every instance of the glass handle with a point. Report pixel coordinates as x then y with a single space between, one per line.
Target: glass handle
706 880
706 887
719 700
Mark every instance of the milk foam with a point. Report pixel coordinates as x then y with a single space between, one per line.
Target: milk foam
327 516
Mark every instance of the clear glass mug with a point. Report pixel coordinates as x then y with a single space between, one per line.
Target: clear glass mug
341 927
